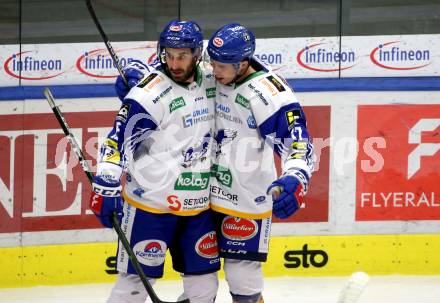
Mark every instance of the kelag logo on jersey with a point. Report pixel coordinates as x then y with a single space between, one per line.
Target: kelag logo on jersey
392 56
192 181
176 104
222 174
320 59
239 229
242 101
27 66
210 92
150 252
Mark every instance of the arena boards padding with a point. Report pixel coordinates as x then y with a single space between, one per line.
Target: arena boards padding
289 256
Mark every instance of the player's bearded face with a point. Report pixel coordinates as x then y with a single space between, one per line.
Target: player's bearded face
181 64
224 73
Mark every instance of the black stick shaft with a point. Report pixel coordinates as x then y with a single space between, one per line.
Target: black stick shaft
104 37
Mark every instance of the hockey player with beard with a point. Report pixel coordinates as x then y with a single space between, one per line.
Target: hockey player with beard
162 138
255 109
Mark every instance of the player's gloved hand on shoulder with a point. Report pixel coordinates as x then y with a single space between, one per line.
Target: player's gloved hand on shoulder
106 199
134 72
288 193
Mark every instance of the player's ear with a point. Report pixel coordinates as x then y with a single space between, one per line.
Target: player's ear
243 66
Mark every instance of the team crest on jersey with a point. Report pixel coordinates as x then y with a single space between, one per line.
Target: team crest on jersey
123 112
206 246
222 137
150 252
239 229
292 116
198 152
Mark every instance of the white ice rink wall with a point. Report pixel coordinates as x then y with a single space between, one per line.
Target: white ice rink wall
373 108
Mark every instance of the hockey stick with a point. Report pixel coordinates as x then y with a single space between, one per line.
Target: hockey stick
106 41
353 288
85 165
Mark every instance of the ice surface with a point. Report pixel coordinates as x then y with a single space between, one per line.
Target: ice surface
381 289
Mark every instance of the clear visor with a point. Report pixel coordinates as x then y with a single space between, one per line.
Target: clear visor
161 54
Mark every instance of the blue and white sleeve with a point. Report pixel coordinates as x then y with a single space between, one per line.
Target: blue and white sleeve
132 125
287 130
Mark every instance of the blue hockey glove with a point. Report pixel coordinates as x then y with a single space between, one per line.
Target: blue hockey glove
287 194
106 199
134 72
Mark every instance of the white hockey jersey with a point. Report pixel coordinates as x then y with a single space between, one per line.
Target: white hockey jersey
253 118
163 137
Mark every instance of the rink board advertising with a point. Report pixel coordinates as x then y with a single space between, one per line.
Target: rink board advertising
398 176
316 57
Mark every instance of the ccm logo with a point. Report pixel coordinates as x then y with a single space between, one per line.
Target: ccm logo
235 243
305 257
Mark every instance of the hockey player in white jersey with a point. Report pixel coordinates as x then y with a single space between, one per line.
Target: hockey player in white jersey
162 137
254 109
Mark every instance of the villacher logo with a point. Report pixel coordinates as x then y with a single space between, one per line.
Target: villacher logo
320 59
27 66
390 56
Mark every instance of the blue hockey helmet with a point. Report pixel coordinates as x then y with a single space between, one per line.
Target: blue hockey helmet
232 43
181 34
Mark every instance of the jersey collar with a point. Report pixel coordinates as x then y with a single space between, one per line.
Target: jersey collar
251 76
